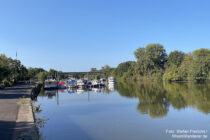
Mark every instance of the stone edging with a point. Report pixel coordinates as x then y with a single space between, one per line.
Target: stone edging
25 124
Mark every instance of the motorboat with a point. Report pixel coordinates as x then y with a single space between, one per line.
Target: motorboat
111 80
95 83
80 83
102 82
89 83
62 85
50 84
71 83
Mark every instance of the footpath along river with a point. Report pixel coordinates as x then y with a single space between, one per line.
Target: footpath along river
16 116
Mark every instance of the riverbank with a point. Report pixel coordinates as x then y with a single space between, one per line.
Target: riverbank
148 79
16 119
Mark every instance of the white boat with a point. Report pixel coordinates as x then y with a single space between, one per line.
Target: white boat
50 84
95 83
80 83
102 82
111 80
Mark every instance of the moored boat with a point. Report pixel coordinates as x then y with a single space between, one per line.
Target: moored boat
95 83
111 80
71 83
50 84
89 83
80 83
62 85
102 82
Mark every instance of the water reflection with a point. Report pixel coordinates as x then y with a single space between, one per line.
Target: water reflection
55 93
155 98
111 87
152 97
189 94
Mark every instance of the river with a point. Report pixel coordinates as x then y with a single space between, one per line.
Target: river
129 111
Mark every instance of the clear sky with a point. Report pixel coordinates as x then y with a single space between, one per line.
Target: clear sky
75 35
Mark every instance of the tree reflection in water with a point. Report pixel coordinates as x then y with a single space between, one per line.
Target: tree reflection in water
155 98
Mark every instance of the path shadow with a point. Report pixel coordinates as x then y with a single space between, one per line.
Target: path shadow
15 88
15 92
17 131
14 96
6 130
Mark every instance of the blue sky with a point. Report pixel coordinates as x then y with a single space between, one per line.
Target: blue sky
75 35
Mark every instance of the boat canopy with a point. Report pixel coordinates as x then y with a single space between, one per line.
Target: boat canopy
61 83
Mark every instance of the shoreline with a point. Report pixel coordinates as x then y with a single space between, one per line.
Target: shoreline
164 81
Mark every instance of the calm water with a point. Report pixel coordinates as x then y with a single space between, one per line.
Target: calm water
131 111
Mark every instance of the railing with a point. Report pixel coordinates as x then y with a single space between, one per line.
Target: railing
72 73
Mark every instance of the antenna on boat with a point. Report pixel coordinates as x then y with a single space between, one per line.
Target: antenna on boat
16 54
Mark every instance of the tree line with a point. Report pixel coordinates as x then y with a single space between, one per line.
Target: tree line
153 63
12 71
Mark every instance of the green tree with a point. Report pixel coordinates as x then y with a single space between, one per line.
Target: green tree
11 71
150 61
4 67
201 64
155 57
107 70
140 53
185 69
175 58
32 72
41 77
172 72
93 69
125 69
52 73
